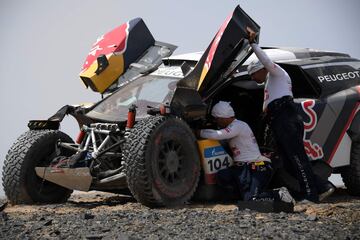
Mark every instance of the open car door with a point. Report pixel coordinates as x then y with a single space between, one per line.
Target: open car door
228 49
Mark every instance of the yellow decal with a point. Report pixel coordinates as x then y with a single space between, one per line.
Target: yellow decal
203 75
104 80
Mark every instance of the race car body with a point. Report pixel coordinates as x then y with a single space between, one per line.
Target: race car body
139 139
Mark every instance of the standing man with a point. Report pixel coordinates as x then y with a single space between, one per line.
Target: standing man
251 172
285 122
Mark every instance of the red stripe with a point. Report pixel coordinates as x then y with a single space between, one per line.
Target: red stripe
343 132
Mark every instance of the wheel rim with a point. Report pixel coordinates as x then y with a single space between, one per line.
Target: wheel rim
170 161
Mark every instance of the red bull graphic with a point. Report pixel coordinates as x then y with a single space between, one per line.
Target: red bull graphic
111 42
113 52
212 50
225 52
313 150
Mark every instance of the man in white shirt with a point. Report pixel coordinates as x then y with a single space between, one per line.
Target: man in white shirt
252 171
285 122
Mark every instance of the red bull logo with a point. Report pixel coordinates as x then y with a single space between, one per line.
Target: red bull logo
111 42
313 150
212 50
113 52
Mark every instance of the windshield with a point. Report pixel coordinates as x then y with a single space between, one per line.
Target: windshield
145 92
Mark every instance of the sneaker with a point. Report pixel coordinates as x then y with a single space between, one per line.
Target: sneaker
330 190
285 196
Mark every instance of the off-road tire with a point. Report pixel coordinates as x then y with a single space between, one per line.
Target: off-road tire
351 174
21 184
161 161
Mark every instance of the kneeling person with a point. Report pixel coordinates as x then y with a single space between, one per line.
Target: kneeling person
252 171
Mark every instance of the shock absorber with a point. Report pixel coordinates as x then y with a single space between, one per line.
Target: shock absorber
80 136
131 116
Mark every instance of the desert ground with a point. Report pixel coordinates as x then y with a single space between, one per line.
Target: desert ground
98 215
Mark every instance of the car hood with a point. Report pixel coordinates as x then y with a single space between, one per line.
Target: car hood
125 52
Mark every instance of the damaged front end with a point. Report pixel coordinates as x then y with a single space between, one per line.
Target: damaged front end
116 59
96 163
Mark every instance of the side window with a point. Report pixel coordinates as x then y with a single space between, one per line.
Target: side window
301 86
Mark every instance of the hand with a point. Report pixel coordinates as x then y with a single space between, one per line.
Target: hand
251 34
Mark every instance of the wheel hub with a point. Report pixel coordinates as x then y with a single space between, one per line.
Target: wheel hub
172 161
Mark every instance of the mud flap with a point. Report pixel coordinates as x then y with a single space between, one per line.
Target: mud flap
71 178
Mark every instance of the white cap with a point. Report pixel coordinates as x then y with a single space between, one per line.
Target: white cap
254 66
222 110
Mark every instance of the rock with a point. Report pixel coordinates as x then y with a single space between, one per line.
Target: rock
4 216
88 216
311 217
95 236
3 205
55 233
48 223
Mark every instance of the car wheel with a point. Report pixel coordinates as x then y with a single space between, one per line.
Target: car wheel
20 182
351 174
162 161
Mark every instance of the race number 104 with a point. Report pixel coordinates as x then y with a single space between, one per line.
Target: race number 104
218 163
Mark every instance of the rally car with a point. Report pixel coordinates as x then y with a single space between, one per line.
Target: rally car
139 139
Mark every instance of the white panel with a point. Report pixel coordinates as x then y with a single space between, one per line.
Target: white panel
342 155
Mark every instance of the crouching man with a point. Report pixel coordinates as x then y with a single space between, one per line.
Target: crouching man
251 171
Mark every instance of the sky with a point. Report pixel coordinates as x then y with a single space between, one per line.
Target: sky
43 43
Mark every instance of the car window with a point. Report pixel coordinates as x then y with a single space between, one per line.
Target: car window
145 91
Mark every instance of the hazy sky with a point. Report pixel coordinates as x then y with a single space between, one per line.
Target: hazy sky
43 44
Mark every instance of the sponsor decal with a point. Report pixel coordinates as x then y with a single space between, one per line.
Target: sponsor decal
214 159
212 50
313 150
339 76
214 151
346 127
168 72
215 44
108 43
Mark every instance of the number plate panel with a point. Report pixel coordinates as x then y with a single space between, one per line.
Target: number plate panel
213 158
